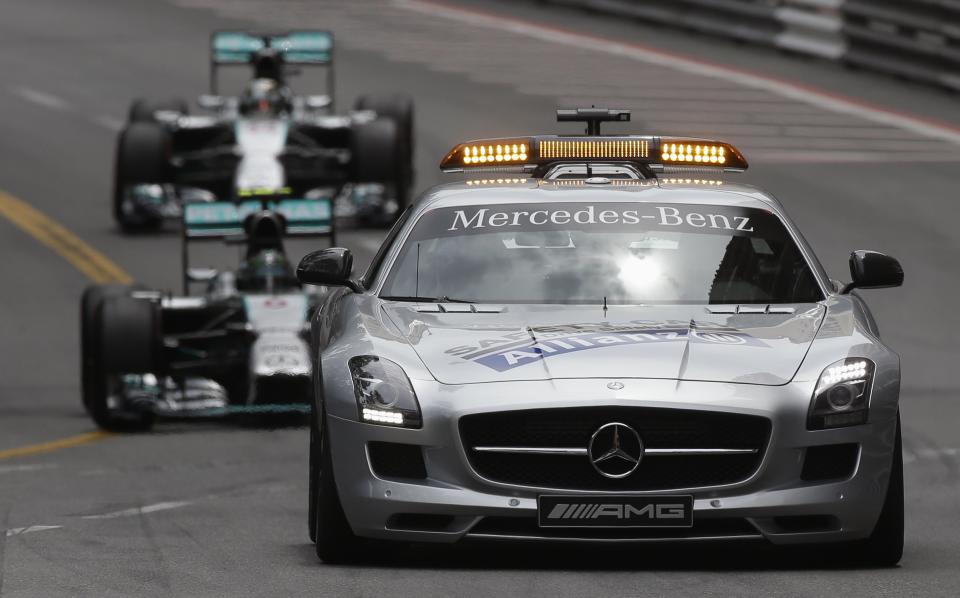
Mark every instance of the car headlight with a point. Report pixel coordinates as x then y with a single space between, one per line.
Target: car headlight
384 393
842 396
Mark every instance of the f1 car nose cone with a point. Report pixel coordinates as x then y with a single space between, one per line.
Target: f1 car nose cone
615 450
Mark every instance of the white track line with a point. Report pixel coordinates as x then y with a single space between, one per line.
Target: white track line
20 468
108 122
19 531
654 56
160 506
41 98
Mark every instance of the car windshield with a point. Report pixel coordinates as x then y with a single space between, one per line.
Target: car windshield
621 253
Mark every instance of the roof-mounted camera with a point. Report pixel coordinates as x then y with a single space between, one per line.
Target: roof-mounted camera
593 117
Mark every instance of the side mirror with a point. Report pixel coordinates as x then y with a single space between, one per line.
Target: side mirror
873 270
328 267
211 102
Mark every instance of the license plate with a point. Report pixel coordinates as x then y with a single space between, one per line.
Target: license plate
615 511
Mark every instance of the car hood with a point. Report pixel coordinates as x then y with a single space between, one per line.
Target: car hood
543 342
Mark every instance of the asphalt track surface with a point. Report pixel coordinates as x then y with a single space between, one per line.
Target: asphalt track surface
210 509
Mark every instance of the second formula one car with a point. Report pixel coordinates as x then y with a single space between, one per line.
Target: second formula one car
265 139
239 347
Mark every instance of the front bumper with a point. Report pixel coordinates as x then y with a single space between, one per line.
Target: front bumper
454 503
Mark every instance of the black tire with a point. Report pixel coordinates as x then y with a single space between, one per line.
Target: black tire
144 150
884 547
398 108
377 156
335 540
92 297
142 110
314 476
125 339
395 106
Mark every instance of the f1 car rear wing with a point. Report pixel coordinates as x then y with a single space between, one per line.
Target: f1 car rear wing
226 220
292 48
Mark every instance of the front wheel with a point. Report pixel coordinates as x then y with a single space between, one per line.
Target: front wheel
144 151
314 476
93 296
125 344
884 547
380 156
335 541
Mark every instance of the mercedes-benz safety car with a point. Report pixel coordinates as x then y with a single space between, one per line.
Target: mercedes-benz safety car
601 346
239 347
266 139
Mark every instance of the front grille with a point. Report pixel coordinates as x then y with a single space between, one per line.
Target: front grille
573 427
830 462
526 527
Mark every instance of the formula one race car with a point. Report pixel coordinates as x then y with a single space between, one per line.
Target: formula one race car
237 348
266 139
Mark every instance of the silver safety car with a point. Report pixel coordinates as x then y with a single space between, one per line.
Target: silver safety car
602 340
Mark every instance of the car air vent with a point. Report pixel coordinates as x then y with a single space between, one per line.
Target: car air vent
751 309
830 462
458 308
394 460
494 527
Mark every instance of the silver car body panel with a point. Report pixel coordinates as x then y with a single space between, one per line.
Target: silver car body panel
694 357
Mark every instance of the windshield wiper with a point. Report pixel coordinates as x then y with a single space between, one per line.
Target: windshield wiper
443 299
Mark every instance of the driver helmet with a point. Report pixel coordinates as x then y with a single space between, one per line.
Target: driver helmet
264 97
266 271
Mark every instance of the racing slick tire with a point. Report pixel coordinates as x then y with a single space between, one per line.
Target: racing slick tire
379 156
142 110
92 297
399 108
125 340
143 156
334 540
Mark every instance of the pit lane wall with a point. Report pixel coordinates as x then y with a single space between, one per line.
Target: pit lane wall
913 39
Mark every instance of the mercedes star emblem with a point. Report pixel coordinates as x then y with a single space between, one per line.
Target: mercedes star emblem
615 450
615 385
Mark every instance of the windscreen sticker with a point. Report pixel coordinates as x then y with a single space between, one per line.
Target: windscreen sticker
662 216
618 217
517 349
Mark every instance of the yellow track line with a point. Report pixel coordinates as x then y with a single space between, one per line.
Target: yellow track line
67 245
83 257
54 445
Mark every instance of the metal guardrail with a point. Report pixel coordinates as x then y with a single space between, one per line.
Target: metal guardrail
913 39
